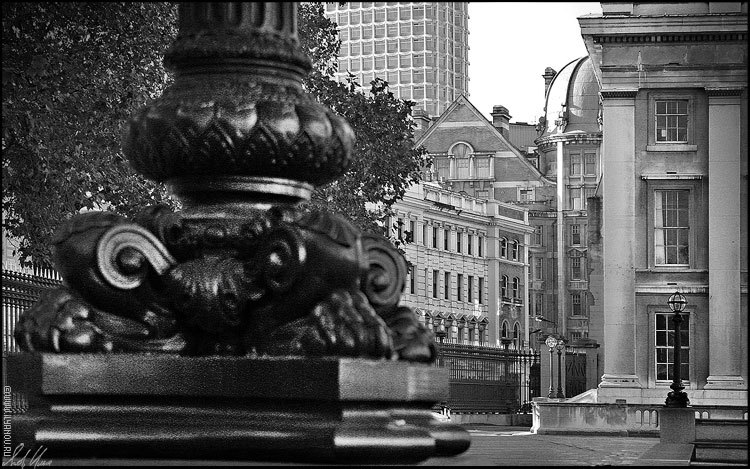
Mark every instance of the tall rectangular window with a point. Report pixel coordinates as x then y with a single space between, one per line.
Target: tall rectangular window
480 288
435 281
447 285
671 227
468 245
459 287
664 352
538 235
575 301
589 163
575 235
538 268
470 288
672 121
413 281
575 268
434 237
479 247
446 239
538 309
575 164
459 235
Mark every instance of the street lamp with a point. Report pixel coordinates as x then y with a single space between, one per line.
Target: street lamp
543 319
677 397
560 348
551 343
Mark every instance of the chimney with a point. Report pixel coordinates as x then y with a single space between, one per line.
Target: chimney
549 74
501 119
423 121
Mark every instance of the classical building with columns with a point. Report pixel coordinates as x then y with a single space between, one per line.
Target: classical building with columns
673 80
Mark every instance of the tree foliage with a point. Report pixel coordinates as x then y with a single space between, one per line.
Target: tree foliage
72 73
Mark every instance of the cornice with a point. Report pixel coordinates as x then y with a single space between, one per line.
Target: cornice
724 91
686 37
618 94
544 142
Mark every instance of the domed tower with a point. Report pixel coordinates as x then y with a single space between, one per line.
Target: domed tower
568 145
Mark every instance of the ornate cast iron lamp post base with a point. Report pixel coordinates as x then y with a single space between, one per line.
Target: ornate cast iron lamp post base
241 327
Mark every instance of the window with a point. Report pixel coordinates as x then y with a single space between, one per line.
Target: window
538 274
412 281
517 335
480 288
470 288
379 16
435 281
671 227
379 63
575 301
447 285
538 235
576 203
664 350
424 234
525 195
434 237
446 239
393 63
516 287
575 235
459 236
589 163
410 234
479 247
504 286
538 309
459 289
380 47
514 249
575 164
504 332
672 121
575 268
503 248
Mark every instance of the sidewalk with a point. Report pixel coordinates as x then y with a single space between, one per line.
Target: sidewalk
516 446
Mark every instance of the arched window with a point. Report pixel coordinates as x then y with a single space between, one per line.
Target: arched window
517 335
516 283
461 152
514 249
505 329
503 248
504 286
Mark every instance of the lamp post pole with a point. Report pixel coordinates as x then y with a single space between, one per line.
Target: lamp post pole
560 348
677 397
551 343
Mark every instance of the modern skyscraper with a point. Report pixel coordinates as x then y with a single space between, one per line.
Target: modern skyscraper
419 48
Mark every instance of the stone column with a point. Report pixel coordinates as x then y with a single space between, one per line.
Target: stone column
725 346
618 173
561 297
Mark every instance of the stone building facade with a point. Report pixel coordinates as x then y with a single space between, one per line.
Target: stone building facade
459 283
673 80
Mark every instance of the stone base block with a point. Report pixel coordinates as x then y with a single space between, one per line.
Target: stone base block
222 408
677 425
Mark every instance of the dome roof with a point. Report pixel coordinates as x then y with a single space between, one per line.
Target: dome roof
575 90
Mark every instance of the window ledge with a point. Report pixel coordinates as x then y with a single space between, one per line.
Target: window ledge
672 147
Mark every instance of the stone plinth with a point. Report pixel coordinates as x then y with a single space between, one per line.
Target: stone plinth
677 425
292 409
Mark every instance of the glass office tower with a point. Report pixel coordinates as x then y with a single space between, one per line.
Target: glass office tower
419 48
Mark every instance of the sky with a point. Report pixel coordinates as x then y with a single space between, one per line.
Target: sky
510 45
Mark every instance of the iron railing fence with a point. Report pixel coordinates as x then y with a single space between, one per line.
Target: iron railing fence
489 379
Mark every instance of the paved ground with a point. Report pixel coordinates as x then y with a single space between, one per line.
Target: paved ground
516 446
